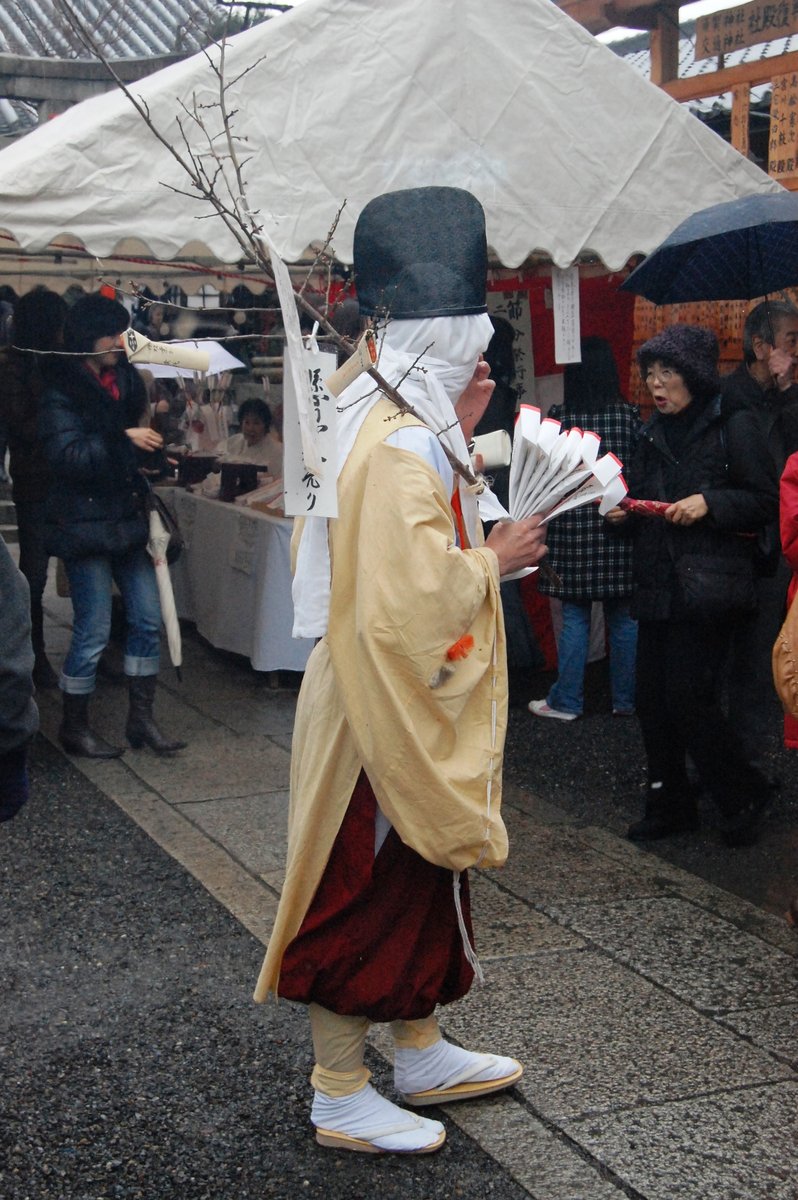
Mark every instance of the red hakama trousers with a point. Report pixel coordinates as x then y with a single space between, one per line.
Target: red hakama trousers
381 938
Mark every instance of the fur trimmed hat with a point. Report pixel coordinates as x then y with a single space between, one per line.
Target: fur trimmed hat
688 349
91 318
421 252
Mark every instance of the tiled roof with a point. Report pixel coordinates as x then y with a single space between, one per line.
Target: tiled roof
129 29
635 51
16 118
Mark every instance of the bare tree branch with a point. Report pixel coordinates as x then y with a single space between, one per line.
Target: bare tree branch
234 211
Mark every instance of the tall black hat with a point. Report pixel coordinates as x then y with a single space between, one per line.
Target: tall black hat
421 252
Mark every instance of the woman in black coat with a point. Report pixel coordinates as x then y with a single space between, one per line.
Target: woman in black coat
96 446
693 582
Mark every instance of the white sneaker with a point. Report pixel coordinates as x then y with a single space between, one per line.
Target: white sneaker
541 709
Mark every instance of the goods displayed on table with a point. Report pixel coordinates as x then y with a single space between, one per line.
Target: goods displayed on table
205 421
233 579
238 478
194 468
268 498
230 480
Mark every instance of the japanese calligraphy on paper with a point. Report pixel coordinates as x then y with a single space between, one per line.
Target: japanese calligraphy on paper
565 292
309 493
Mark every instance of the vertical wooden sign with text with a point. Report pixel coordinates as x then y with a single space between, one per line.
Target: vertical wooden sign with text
740 118
783 141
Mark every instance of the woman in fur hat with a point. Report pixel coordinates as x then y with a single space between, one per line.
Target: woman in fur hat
693 582
96 446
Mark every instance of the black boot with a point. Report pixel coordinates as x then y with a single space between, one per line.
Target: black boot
141 729
667 813
75 735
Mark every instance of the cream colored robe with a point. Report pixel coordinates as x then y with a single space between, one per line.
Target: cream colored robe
372 696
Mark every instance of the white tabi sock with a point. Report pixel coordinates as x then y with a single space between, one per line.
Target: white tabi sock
368 1116
443 1065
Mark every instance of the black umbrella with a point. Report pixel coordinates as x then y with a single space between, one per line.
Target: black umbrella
733 251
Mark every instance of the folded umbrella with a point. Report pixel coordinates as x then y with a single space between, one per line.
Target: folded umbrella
157 547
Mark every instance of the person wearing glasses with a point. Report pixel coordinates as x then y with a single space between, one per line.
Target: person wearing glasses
693 583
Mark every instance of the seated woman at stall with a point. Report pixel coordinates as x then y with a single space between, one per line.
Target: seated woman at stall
257 442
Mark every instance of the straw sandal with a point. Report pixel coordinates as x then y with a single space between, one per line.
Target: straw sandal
465 1090
369 1123
344 1141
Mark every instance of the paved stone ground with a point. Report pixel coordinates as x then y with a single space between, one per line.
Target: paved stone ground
594 769
133 1061
654 1011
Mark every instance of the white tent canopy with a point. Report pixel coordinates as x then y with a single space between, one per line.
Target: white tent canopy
569 150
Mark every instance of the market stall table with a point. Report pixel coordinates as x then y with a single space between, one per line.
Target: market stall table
233 580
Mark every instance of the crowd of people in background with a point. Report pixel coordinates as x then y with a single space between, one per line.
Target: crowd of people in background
692 583
694 668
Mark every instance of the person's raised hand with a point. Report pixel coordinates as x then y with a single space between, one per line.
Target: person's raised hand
782 368
144 438
518 544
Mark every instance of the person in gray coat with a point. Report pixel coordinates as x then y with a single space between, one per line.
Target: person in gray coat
19 716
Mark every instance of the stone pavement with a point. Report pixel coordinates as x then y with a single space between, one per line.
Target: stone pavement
655 1014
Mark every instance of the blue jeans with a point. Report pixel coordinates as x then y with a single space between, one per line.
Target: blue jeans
90 584
567 694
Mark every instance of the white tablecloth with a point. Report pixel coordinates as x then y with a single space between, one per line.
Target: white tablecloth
233 580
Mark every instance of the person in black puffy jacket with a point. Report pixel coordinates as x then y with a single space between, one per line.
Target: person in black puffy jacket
693 582
96 445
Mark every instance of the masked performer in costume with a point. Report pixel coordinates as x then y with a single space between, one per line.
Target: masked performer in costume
396 768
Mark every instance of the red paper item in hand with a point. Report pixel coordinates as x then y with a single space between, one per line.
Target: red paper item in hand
652 508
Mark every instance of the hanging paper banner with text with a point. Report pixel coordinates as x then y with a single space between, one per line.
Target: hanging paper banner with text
565 296
311 493
297 394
